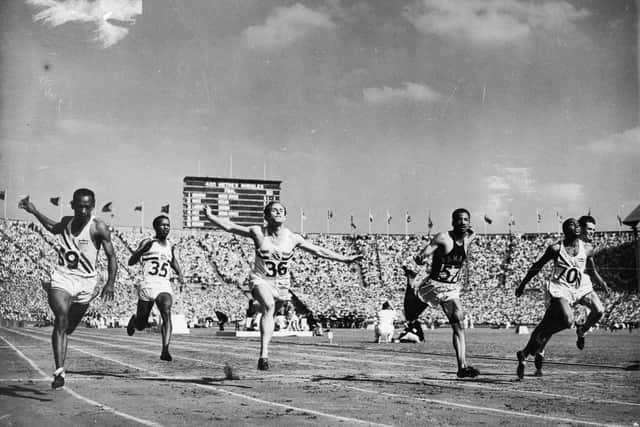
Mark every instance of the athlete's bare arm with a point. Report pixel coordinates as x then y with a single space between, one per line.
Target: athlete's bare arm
437 241
50 225
176 266
103 238
143 247
228 225
592 271
324 252
550 254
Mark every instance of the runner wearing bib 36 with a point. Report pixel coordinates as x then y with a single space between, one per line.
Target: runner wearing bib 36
270 277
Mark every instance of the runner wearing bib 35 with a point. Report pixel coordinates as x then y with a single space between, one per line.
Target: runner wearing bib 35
270 278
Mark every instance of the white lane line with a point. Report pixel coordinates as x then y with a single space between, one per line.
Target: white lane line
455 383
461 385
219 390
485 409
80 397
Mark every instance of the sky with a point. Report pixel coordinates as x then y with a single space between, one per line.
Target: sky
504 107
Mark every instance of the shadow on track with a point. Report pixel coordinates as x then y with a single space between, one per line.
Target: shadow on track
20 392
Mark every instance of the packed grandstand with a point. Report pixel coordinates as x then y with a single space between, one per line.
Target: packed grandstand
216 266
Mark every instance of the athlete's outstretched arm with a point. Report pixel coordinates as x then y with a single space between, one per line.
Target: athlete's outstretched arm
104 236
226 224
595 276
326 253
176 266
50 225
535 268
143 247
429 249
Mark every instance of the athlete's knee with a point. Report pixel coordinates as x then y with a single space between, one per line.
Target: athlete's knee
565 320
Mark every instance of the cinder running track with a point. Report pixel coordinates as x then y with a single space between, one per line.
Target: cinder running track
116 380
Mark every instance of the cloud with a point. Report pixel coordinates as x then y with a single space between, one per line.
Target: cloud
285 26
503 188
567 192
410 92
110 16
627 142
490 21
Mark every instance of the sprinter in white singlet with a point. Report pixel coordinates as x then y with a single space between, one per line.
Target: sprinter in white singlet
158 258
571 257
270 277
74 279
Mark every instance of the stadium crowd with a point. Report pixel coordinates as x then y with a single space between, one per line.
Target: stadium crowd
216 268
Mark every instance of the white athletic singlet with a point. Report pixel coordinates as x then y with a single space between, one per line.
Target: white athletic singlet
156 263
272 261
567 273
77 255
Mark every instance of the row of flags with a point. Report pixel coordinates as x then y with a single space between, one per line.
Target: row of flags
407 218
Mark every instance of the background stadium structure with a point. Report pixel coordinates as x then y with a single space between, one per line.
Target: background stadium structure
241 200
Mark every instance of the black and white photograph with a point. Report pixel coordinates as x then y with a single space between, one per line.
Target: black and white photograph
319 212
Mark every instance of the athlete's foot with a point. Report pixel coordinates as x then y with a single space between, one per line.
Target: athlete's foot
58 378
538 361
166 356
263 364
521 364
580 340
131 325
468 372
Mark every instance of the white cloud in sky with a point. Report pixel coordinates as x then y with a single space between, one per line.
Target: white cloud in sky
285 26
627 142
409 92
490 21
569 193
103 13
503 188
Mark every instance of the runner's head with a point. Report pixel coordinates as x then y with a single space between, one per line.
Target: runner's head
587 227
83 202
162 226
275 213
571 228
460 220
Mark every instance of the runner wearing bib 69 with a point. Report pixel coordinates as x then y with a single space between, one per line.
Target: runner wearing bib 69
270 278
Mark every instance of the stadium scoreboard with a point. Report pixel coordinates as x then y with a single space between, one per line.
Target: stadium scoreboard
240 200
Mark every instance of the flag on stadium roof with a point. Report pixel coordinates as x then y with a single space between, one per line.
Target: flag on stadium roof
353 224
138 208
370 217
55 201
329 214
164 209
619 220
538 216
3 194
389 217
512 221
407 217
429 221
303 215
559 217
487 219
107 207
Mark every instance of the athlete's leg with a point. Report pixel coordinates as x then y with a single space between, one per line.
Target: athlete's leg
142 314
60 303
164 301
413 306
596 311
453 310
263 294
76 312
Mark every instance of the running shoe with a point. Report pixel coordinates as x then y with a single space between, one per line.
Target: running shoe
468 372
131 325
263 364
521 364
538 361
166 356
58 378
